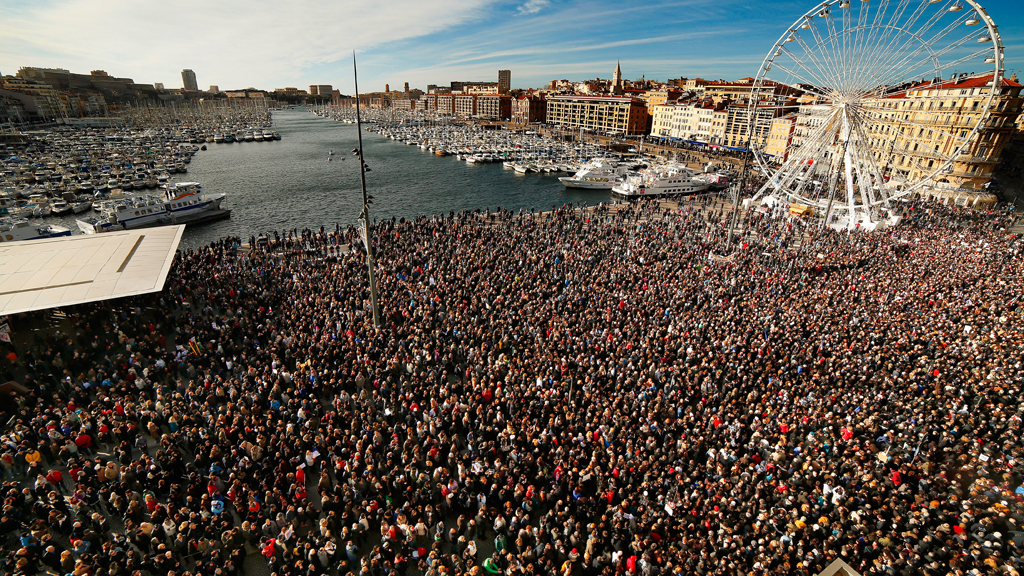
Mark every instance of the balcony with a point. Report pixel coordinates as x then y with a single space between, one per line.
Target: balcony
968 175
978 159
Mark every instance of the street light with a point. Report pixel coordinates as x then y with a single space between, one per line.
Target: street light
365 215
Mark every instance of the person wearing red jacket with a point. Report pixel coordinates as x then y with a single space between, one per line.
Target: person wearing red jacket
84 442
56 478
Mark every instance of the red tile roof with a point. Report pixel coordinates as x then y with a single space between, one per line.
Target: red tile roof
973 82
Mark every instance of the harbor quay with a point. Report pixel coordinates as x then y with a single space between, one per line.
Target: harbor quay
623 389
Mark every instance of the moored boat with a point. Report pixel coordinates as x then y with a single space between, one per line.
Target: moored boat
13 229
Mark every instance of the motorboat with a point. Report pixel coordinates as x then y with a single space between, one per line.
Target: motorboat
186 201
669 179
598 174
14 229
126 214
40 205
60 207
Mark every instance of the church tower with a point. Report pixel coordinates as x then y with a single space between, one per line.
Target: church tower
617 80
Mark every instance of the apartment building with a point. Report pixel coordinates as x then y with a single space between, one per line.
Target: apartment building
615 114
924 125
494 106
464 105
780 135
528 110
738 121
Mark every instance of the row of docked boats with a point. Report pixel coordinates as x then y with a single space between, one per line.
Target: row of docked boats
243 136
65 170
474 145
589 167
199 122
39 205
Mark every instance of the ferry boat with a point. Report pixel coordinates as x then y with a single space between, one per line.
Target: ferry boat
669 179
186 200
13 229
598 174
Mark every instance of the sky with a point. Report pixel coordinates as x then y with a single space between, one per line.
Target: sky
273 44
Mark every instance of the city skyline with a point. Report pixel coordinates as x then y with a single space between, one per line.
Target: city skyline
427 42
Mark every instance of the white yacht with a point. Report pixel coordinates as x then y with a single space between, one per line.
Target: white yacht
186 200
126 214
13 229
598 174
668 179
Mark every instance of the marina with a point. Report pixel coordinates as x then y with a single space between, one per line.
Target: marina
56 178
296 182
76 178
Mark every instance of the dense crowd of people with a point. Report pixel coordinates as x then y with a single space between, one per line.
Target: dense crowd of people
579 393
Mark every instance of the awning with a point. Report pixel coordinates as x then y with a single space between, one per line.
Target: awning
55 272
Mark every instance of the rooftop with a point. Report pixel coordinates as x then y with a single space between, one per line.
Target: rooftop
973 82
49 273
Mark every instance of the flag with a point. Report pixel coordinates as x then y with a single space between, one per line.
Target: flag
5 337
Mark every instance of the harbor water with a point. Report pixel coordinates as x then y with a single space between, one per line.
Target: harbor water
290 183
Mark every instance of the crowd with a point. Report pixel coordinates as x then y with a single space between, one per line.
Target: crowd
578 393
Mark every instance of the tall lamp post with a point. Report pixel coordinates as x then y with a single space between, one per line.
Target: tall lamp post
365 215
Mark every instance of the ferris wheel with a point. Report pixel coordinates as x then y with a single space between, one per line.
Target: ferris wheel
862 102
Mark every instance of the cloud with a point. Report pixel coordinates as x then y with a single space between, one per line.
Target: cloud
533 6
232 43
270 44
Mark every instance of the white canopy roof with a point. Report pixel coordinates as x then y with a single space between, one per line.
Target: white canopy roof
41 274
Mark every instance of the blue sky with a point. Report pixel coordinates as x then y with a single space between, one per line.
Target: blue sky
272 44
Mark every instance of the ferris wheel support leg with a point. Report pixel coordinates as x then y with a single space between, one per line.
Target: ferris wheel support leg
851 200
832 190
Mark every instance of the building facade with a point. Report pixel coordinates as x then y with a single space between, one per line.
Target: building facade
614 114
661 96
923 126
662 117
36 98
445 104
494 106
738 121
741 89
504 81
780 135
403 104
529 110
464 105
188 80
480 88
